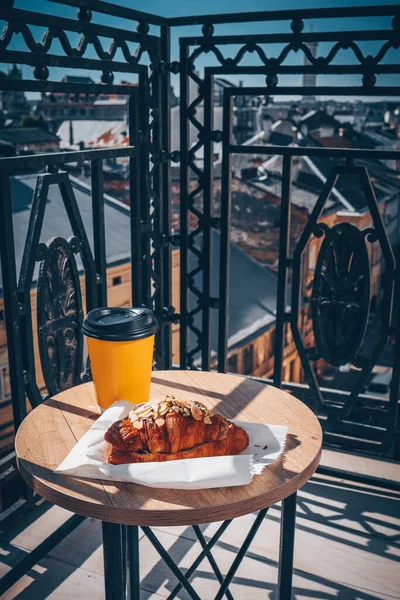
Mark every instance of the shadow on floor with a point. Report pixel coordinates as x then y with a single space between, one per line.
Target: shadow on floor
361 519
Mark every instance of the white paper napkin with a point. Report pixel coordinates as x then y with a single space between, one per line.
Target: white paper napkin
88 458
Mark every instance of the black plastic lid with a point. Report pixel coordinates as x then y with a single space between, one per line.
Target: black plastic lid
120 324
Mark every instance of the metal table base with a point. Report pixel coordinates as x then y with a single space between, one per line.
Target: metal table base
121 557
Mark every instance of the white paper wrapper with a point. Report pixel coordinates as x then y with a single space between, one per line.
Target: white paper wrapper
88 458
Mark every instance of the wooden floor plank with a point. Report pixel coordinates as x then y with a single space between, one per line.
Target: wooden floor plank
83 547
35 525
373 467
58 581
55 580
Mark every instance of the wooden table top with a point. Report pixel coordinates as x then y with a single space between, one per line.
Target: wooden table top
50 431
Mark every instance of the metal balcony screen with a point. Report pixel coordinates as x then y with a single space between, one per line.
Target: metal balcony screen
138 43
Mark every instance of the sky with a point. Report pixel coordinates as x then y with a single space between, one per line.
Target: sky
192 7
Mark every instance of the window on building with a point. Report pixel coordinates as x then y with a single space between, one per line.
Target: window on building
271 341
232 363
312 257
248 360
83 112
5 390
288 334
260 351
73 112
293 370
376 254
1 315
117 280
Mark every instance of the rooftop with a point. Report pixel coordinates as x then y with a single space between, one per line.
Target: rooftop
93 133
56 221
76 79
26 135
249 313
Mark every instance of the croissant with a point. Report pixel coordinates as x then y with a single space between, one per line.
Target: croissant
172 429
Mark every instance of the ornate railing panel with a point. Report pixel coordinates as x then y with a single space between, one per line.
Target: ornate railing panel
144 52
60 316
80 43
138 45
340 305
338 336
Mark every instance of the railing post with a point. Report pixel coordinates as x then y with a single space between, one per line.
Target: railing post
224 251
166 262
11 306
284 228
207 219
144 198
184 184
135 190
99 233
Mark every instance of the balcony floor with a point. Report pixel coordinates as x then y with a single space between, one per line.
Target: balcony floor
347 547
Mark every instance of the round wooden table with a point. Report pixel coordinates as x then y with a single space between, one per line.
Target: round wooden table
51 430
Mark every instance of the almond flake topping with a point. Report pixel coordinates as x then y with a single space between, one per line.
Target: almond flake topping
157 410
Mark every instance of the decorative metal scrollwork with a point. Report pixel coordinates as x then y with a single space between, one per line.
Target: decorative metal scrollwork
341 294
59 317
55 33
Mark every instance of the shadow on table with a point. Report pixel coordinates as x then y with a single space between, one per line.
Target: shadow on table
231 403
75 410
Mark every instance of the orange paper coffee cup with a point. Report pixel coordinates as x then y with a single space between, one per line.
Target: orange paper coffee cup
121 345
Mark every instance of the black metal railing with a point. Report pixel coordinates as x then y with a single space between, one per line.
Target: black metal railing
145 54
351 418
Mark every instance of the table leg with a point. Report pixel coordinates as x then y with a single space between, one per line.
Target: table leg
113 561
288 523
132 562
124 544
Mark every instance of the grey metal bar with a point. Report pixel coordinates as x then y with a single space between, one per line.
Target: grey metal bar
314 151
310 91
113 563
99 231
206 549
135 190
224 253
184 206
30 85
71 62
284 229
242 551
11 307
132 562
211 560
170 563
37 161
207 215
286 551
115 10
318 68
281 15
278 38
44 20
165 48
